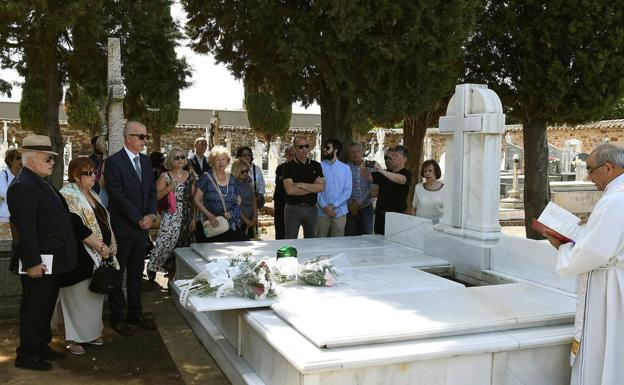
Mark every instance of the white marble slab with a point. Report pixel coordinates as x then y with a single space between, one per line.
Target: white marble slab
407 230
364 281
407 316
211 303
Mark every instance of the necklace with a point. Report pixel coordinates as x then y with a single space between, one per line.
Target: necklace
227 185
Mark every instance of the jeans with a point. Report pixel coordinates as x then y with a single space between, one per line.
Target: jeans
360 224
295 216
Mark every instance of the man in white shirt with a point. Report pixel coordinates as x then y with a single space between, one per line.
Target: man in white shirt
597 259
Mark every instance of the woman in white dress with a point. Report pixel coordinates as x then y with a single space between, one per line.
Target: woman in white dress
82 308
13 161
428 199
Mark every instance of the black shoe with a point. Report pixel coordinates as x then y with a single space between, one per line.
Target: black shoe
142 322
52 355
33 364
121 328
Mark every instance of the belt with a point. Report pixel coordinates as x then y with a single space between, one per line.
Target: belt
304 205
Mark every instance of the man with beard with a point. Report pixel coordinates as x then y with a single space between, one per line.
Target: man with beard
332 202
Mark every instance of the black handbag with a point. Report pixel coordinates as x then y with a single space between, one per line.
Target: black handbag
103 281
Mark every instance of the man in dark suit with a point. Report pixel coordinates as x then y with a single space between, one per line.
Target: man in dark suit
41 225
132 205
198 160
279 197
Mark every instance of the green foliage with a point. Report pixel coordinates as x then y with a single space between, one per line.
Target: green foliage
616 112
153 75
267 116
33 104
554 61
82 111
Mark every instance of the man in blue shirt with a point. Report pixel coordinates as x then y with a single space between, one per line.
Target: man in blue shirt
332 202
360 217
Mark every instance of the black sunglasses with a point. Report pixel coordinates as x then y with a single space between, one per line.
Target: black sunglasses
48 158
387 158
179 157
141 136
302 146
88 173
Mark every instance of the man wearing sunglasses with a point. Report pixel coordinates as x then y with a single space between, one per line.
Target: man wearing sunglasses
303 179
132 205
332 202
41 226
597 258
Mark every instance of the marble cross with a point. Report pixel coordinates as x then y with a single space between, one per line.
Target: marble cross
474 123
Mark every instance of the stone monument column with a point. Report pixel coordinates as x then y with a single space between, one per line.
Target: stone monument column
474 124
115 117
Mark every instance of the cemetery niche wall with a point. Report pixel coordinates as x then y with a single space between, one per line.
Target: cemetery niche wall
506 318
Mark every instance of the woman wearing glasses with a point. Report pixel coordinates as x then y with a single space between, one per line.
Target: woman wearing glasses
248 206
177 223
82 308
13 161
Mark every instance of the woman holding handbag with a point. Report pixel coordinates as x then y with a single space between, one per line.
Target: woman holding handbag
82 308
218 200
177 224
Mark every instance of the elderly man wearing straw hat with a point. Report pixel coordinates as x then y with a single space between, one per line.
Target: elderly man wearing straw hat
43 249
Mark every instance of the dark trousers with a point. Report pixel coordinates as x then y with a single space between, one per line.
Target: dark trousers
360 224
380 222
228 236
278 218
131 256
38 300
296 216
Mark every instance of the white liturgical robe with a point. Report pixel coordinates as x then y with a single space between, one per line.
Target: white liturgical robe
598 260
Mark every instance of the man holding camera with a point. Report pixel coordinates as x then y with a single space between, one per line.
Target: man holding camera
360 216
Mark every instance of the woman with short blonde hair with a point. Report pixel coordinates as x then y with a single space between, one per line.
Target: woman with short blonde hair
218 151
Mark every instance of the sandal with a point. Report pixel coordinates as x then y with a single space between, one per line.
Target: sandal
97 342
75 348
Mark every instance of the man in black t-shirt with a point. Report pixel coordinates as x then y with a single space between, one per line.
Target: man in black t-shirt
393 186
279 195
303 179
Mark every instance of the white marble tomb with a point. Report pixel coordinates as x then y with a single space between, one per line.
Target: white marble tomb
397 323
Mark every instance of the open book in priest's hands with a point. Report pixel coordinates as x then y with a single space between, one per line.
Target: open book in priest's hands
558 222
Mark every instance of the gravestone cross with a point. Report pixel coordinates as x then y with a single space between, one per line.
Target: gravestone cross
115 117
474 123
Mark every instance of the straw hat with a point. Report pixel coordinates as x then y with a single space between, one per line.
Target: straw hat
40 143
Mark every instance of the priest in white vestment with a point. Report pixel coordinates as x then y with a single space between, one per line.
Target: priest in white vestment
597 259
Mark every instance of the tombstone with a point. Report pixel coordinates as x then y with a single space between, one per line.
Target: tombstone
67 154
514 198
258 153
316 152
381 140
4 146
228 142
428 153
273 157
511 150
115 118
580 169
475 123
571 148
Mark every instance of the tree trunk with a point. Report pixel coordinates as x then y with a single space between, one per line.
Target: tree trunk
536 186
54 94
414 131
336 119
156 140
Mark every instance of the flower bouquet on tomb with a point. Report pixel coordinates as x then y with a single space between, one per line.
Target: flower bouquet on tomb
323 270
242 276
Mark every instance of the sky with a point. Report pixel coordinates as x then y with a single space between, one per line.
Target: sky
213 87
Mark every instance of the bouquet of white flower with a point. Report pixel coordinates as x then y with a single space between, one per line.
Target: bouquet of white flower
319 271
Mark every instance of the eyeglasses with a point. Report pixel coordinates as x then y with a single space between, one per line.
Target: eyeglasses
179 157
141 136
48 158
302 146
88 173
590 170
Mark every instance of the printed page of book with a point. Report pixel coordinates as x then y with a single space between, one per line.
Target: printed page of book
561 220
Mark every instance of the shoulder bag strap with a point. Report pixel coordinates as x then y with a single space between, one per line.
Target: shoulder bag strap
218 190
